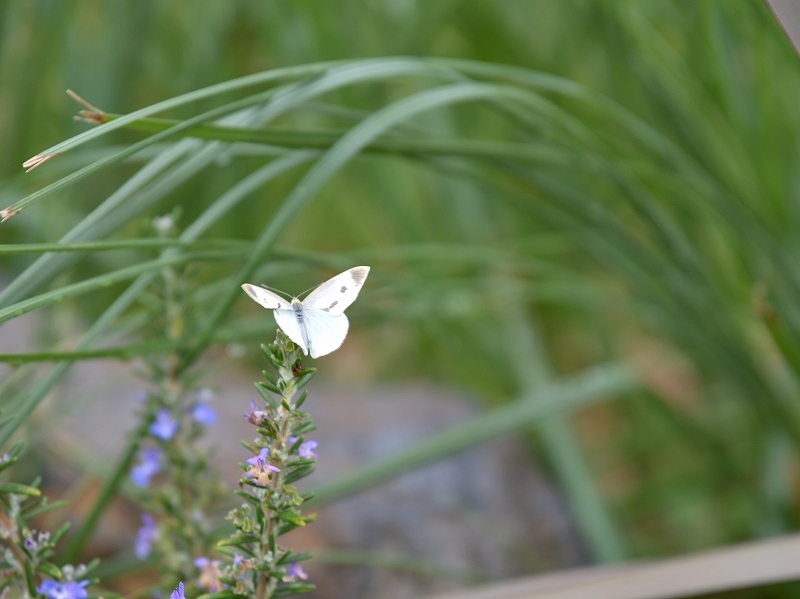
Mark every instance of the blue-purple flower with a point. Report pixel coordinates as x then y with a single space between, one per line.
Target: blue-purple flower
306 449
145 537
261 470
165 426
147 468
210 573
293 572
178 593
204 414
255 416
64 590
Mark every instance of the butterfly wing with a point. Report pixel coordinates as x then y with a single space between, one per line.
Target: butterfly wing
287 320
325 332
334 295
266 298
284 313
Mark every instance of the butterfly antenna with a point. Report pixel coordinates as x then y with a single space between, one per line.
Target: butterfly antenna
278 291
312 288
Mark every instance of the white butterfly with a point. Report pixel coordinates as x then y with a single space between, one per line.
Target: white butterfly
317 324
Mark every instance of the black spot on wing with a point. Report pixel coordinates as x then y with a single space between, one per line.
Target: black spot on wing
358 277
343 289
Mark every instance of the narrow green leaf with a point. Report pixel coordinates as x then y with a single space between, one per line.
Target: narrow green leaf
297 474
48 507
293 589
301 399
220 595
50 570
269 386
268 397
305 378
19 489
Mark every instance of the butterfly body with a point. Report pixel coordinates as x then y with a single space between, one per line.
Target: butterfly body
318 323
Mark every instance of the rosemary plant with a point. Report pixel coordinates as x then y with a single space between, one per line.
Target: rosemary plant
25 553
258 565
178 485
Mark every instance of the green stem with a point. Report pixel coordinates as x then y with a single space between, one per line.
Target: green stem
123 244
296 138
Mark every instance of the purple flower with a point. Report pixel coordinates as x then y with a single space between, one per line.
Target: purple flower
209 577
178 593
204 414
255 416
260 459
260 470
165 426
48 586
241 566
147 534
64 590
150 465
294 572
306 449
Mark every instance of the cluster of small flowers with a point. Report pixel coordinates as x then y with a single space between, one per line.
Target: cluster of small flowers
163 428
260 468
177 529
64 590
71 585
25 553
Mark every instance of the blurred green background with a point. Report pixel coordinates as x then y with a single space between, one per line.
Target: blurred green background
642 209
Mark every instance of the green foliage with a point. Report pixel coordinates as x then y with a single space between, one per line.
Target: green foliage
27 554
623 174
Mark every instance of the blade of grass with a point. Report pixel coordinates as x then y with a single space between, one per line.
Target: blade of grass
528 354
566 394
125 352
286 73
288 138
122 244
281 97
105 280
